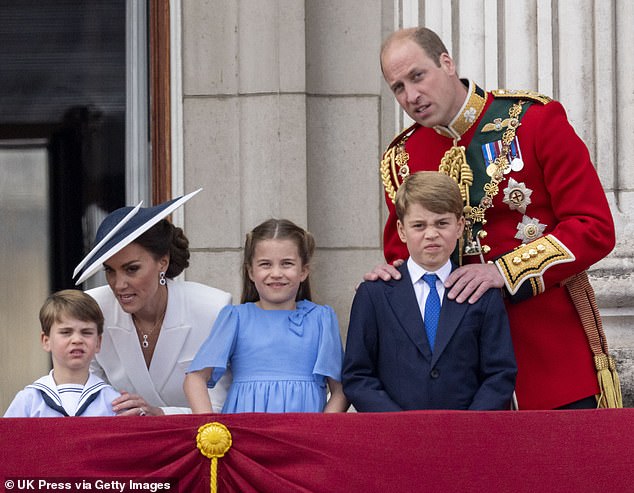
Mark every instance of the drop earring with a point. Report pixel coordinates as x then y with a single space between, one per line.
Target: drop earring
162 280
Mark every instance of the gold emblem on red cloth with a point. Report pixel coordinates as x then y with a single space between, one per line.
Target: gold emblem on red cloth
214 441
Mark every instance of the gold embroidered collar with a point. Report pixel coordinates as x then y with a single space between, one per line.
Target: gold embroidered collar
468 114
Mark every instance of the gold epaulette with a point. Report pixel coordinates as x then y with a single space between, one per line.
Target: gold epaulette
394 167
528 263
521 94
400 136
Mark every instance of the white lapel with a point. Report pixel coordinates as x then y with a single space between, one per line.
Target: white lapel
172 337
126 344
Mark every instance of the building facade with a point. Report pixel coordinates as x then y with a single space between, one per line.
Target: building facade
285 114
278 109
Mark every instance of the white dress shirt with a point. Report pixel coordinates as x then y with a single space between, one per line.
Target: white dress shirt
421 288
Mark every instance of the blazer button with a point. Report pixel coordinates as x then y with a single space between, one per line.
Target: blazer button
434 373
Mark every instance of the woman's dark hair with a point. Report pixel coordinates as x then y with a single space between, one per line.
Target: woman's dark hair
276 229
166 239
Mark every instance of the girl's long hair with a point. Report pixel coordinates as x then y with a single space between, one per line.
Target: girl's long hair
276 229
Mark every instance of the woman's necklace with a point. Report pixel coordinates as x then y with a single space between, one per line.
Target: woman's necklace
145 343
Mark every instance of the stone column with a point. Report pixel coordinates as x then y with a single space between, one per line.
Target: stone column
613 277
244 126
343 108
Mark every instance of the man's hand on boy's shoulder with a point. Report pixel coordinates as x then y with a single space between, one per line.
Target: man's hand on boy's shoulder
470 282
466 283
384 272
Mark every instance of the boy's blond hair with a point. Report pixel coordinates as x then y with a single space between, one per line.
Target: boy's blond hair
434 191
72 303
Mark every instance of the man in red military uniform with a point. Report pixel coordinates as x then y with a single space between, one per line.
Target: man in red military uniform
537 216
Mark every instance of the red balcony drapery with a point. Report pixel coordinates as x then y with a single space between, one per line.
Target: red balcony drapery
453 451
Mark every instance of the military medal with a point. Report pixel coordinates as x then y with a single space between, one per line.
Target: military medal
517 164
529 229
515 156
517 196
492 151
497 156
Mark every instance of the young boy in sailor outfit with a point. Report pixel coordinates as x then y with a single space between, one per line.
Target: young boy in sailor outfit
72 324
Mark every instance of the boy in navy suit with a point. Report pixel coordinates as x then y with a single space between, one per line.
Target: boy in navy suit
408 346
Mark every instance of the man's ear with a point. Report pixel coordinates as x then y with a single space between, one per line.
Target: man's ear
447 64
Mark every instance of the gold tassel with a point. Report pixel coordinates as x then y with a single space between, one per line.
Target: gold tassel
617 381
608 398
582 295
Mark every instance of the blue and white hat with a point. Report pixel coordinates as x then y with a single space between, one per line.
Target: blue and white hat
122 227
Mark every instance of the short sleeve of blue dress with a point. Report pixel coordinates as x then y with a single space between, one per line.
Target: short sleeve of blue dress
216 351
330 352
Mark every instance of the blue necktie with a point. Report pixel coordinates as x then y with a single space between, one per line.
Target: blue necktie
432 309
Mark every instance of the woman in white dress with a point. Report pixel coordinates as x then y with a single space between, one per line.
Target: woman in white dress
153 324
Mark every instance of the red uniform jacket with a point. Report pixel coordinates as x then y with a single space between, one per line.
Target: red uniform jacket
566 200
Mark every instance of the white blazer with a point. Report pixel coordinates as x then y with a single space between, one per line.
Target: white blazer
191 311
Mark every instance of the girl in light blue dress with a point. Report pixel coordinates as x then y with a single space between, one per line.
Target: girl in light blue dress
284 351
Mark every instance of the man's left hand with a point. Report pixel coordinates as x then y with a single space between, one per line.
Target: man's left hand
470 282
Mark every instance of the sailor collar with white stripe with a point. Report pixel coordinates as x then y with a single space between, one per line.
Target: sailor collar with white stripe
48 388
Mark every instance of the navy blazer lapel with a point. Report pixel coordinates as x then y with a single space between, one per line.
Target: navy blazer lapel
451 314
402 299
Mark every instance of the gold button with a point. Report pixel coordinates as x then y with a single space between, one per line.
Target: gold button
525 256
517 260
532 252
486 249
541 248
482 234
